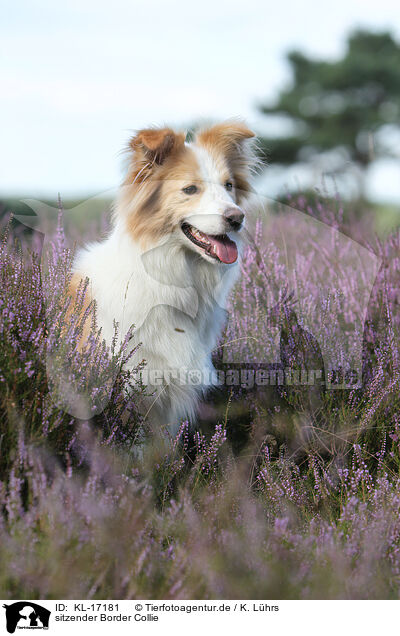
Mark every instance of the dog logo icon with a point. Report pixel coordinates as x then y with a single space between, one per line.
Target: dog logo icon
26 615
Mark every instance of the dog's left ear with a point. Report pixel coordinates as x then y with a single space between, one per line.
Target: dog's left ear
235 141
225 135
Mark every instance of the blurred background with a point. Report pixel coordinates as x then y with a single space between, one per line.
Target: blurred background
320 84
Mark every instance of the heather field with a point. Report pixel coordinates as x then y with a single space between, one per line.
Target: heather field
288 490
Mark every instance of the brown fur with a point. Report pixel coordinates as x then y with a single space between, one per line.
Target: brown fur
161 165
224 135
74 287
150 148
151 196
231 140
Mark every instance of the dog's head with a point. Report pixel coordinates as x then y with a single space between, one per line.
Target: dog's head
195 191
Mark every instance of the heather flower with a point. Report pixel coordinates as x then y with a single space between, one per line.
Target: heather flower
289 492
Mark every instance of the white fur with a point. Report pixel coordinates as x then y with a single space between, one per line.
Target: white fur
161 289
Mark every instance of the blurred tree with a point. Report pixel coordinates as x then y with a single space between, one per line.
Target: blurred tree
341 106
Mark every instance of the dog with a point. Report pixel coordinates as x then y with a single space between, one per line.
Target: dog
172 257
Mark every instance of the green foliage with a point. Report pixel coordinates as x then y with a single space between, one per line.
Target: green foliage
339 104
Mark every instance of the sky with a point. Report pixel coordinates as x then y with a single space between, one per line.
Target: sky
78 77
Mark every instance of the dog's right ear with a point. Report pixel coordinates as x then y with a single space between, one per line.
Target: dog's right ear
157 143
150 148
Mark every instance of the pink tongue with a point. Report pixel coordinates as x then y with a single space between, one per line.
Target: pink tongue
225 249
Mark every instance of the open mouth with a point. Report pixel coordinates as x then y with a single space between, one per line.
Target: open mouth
220 247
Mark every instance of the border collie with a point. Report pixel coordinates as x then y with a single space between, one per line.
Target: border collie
172 258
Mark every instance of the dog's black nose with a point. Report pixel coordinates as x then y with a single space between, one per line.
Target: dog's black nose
235 217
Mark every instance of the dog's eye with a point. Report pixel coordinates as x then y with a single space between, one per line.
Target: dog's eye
229 186
192 189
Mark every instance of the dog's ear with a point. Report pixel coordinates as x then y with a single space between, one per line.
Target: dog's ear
149 148
156 144
225 135
235 141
